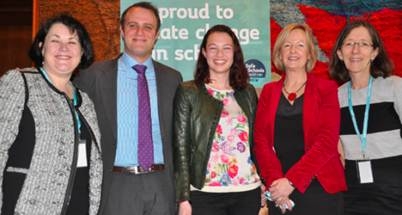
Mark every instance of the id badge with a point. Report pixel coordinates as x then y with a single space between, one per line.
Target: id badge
365 172
82 154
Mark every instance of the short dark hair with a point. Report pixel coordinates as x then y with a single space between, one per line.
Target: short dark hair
35 52
380 66
145 5
238 75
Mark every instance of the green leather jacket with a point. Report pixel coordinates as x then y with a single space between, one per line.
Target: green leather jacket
196 116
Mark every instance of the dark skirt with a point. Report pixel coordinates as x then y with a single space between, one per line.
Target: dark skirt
315 201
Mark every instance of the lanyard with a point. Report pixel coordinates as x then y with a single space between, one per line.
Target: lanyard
363 136
75 99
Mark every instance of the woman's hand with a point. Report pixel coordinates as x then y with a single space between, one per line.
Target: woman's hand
284 205
185 208
281 189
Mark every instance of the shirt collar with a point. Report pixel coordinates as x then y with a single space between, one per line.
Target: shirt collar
130 62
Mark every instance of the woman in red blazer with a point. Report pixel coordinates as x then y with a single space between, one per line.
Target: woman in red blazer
297 131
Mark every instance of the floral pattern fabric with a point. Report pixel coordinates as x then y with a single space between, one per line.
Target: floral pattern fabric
230 162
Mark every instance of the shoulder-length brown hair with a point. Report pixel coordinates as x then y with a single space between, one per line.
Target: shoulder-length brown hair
238 75
280 40
380 66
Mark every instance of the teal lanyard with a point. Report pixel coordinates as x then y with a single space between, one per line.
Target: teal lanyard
363 136
75 99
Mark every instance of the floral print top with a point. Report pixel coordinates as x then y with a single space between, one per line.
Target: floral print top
230 167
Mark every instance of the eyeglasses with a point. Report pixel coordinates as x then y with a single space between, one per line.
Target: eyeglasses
361 44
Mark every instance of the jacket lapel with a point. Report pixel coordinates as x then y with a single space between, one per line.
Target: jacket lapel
159 91
309 107
276 96
109 92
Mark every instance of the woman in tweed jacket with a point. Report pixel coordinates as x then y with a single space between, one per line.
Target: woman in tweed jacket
50 158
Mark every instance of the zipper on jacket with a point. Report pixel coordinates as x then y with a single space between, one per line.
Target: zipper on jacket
70 184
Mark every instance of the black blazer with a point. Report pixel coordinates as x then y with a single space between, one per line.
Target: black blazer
100 82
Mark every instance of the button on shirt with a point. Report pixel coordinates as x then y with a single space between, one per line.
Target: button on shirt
127 112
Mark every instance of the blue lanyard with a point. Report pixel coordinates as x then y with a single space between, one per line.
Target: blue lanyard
75 99
363 136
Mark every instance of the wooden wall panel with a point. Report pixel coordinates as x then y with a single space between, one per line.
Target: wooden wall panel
16 41
15 33
100 17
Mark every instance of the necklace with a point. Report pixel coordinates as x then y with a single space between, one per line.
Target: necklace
292 95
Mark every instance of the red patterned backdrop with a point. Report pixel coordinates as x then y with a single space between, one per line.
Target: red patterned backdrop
326 25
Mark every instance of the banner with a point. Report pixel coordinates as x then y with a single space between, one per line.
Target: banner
184 23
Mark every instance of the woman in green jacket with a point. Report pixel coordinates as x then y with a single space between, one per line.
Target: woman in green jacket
214 115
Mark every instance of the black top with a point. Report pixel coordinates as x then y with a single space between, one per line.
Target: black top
79 202
289 146
288 137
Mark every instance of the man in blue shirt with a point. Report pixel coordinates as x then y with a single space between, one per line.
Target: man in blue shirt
116 87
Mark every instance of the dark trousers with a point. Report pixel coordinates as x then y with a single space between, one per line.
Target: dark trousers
384 196
237 203
144 194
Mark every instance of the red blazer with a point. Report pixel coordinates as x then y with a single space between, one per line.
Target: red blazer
321 123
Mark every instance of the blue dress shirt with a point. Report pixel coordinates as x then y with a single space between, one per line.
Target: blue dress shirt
127 112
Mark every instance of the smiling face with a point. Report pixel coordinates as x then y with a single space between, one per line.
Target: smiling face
139 33
61 51
294 52
357 51
219 52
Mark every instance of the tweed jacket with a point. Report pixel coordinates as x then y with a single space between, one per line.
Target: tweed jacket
48 180
321 123
196 116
